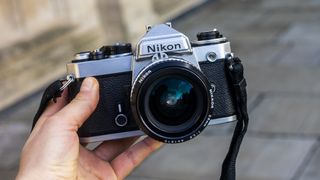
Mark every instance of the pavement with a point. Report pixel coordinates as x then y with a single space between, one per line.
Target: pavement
279 42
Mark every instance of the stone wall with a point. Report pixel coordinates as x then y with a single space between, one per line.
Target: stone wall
21 20
38 37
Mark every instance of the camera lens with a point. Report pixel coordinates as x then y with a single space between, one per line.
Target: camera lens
171 101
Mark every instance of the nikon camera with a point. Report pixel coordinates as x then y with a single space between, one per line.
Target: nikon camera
168 88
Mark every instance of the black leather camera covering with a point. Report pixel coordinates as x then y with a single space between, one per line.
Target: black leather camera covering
114 90
223 96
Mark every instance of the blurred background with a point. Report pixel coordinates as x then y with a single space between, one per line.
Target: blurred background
279 42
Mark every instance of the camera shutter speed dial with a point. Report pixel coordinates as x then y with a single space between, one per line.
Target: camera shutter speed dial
207 35
121 119
117 49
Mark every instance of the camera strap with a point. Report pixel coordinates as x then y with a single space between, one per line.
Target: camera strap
235 72
52 92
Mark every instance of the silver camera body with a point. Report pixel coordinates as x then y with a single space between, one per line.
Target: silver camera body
132 102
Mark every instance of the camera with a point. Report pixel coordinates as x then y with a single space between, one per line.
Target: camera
168 88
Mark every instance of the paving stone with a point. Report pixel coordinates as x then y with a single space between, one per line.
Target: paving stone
253 97
202 158
15 124
227 22
259 54
12 138
302 54
254 36
8 174
283 78
312 170
301 33
22 112
195 159
289 16
274 4
272 159
287 114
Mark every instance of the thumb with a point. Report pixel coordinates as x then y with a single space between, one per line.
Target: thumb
82 106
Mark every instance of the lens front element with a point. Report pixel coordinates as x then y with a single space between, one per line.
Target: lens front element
172 100
171 103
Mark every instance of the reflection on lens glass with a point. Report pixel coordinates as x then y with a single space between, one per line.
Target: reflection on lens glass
172 101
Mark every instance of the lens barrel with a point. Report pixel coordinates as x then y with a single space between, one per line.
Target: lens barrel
171 101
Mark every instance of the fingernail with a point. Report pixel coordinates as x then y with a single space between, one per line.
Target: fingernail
87 84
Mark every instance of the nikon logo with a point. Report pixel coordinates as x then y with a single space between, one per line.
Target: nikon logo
163 47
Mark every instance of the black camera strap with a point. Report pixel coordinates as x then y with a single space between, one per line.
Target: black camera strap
52 92
235 69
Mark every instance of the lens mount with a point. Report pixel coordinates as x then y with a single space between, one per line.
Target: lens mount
171 101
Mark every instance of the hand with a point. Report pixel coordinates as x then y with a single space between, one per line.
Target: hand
53 151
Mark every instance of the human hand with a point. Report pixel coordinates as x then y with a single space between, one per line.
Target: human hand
53 151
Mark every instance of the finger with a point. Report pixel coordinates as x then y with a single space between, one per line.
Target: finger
51 109
132 157
54 107
108 150
80 108
91 167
